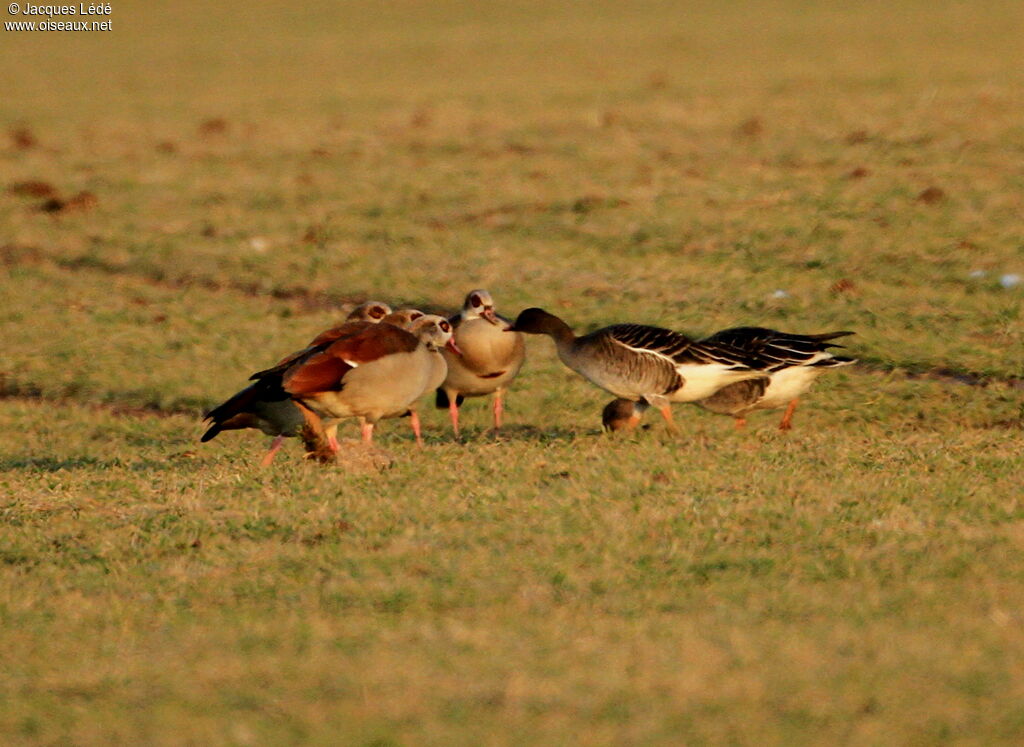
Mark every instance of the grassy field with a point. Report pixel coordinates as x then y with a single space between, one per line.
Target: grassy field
244 174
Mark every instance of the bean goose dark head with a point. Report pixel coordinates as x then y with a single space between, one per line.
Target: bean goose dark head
536 321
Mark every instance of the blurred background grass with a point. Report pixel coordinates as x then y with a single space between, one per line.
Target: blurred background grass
686 160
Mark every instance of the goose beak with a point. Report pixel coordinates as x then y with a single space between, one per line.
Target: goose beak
453 347
489 315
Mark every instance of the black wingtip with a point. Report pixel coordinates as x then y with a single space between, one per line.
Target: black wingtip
833 362
211 433
441 400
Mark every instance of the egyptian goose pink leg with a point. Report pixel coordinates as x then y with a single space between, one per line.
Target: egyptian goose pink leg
453 410
741 423
366 428
499 408
331 432
274 446
415 418
787 418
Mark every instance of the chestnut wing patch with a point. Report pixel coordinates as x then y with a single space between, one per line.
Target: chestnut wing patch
375 342
342 330
320 373
317 345
325 371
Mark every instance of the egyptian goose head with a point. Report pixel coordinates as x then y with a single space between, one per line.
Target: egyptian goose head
403 317
370 311
435 332
479 305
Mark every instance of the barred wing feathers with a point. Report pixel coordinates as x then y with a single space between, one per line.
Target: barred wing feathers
680 349
779 350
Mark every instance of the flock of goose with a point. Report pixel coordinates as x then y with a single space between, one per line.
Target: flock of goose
379 363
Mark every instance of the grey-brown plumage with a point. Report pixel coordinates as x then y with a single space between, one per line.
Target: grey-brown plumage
801 359
260 405
795 361
640 362
735 398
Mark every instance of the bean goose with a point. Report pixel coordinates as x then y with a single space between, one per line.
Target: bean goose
800 359
803 359
623 414
638 362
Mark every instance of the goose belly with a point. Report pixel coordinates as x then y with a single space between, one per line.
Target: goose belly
471 384
331 405
378 389
701 381
487 347
400 380
439 368
623 380
491 358
281 417
786 385
735 399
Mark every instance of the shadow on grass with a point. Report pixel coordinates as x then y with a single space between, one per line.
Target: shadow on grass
51 464
54 464
484 435
522 434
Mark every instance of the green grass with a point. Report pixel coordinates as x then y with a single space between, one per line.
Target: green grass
857 581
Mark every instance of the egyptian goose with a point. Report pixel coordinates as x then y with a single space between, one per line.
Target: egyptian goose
370 372
403 317
272 411
801 359
370 311
635 361
490 359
